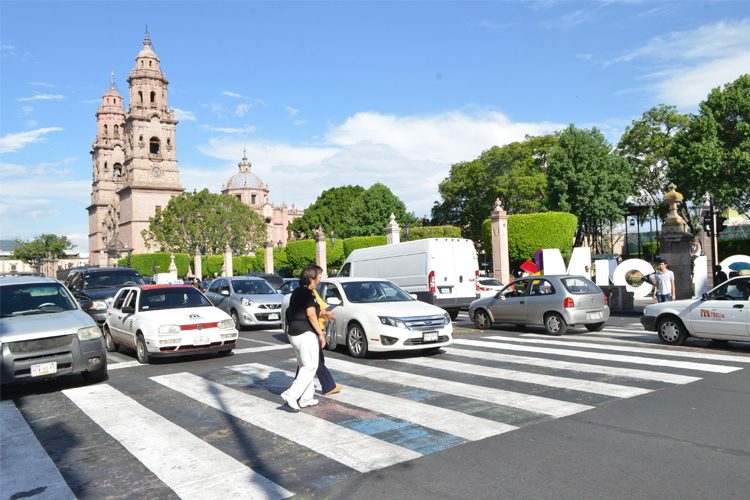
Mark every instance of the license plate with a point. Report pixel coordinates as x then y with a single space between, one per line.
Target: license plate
273 316
444 289
594 315
201 341
429 337
43 369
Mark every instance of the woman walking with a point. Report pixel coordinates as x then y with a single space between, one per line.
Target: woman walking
306 337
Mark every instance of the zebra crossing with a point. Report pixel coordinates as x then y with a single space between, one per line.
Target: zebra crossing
225 432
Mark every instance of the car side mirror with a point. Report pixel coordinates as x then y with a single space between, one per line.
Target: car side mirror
224 292
128 309
704 296
86 304
414 296
334 301
498 296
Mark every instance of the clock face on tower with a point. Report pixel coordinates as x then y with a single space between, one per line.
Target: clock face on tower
156 171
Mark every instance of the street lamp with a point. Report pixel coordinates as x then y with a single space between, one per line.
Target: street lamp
333 238
406 232
279 244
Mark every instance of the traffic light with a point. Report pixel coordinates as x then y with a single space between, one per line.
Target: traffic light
707 223
720 219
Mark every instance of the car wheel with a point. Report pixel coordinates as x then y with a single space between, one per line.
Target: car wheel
453 313
555 324
111 346
671 331
595 327
331 342
482 319
141 353
225 352
236 319
356 340
98 375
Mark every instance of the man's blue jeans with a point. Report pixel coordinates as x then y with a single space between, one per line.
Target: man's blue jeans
664 297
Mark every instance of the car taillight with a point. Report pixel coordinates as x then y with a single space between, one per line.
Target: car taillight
431 282
568 303
476 281
606 300
482 289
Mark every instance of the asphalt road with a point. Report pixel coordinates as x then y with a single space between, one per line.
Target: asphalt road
501 414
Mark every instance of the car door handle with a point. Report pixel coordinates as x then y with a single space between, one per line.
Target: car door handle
738 306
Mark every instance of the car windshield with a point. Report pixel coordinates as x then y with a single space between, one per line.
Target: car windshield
110 279
172 298
34 298
374 291
252 287
579 285
490 282
731 290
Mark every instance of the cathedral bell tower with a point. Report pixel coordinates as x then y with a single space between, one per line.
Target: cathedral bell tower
151 175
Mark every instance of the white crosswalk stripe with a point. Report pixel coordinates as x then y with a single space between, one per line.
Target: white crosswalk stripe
184 462
522 401
564 365
359 451
442 419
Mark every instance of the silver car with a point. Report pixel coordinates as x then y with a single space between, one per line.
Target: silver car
556 302
250 301
44 333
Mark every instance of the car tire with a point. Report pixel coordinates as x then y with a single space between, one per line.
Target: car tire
554 324
109 341
453 313
98 375
356 340
671 331
236 319
141 352
331 342
482 319
595 327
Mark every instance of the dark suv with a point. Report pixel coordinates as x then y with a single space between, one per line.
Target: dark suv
96 287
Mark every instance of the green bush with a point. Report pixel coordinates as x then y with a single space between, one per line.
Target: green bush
527 233
424 232
351 244
727 248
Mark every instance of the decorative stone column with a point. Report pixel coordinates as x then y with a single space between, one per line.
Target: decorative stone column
674 245
321 258
172 265
500 260
228 270
393 231
268 257
197 265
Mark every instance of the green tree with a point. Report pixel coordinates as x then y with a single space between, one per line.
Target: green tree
514 173
205 222
713 153
43 247
646 145
328 212
587 179
371 211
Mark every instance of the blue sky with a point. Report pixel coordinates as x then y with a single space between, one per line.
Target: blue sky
324 94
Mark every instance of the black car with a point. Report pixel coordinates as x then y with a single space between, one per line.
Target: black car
95 287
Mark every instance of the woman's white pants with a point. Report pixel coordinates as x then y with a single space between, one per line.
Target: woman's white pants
307 351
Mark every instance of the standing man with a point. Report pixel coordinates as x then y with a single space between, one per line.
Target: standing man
664 281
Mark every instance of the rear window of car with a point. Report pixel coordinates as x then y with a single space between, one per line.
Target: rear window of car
112 278
579 285
40 298
490 282
174 298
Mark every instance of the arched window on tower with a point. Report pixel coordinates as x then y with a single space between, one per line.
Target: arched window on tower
117 131
105 130
153 98
117 170
154 146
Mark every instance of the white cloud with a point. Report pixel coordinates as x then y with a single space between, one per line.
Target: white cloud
14 142
42 97
247 129
242 109
410 155
77 190
290 110
229 93
183 115
11 169
42 84
26 110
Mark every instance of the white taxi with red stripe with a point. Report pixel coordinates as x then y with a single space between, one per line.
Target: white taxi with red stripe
167 320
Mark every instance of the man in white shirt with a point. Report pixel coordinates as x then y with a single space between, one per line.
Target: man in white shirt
664 282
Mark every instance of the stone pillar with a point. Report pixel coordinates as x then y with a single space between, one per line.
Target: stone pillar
172 265
198 265
393 231
674 246
228 270
268 257
321 258
500 260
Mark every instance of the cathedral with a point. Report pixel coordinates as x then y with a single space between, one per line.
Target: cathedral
135 171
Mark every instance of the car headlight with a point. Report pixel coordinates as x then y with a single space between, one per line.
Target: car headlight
98 305
447 318
225 324
391 321
169 329
247 302
89 333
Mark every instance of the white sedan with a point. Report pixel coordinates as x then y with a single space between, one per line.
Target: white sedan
375 315
721 314
167 320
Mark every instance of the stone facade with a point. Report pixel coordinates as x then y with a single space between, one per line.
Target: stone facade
252 191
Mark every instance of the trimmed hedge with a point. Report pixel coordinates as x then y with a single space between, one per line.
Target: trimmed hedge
527 233
424 232
351 244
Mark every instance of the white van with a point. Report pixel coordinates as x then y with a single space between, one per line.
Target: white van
439 271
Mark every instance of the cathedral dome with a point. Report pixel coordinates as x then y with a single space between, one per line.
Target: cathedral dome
245 179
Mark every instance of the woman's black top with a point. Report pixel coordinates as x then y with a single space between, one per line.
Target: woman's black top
296 316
